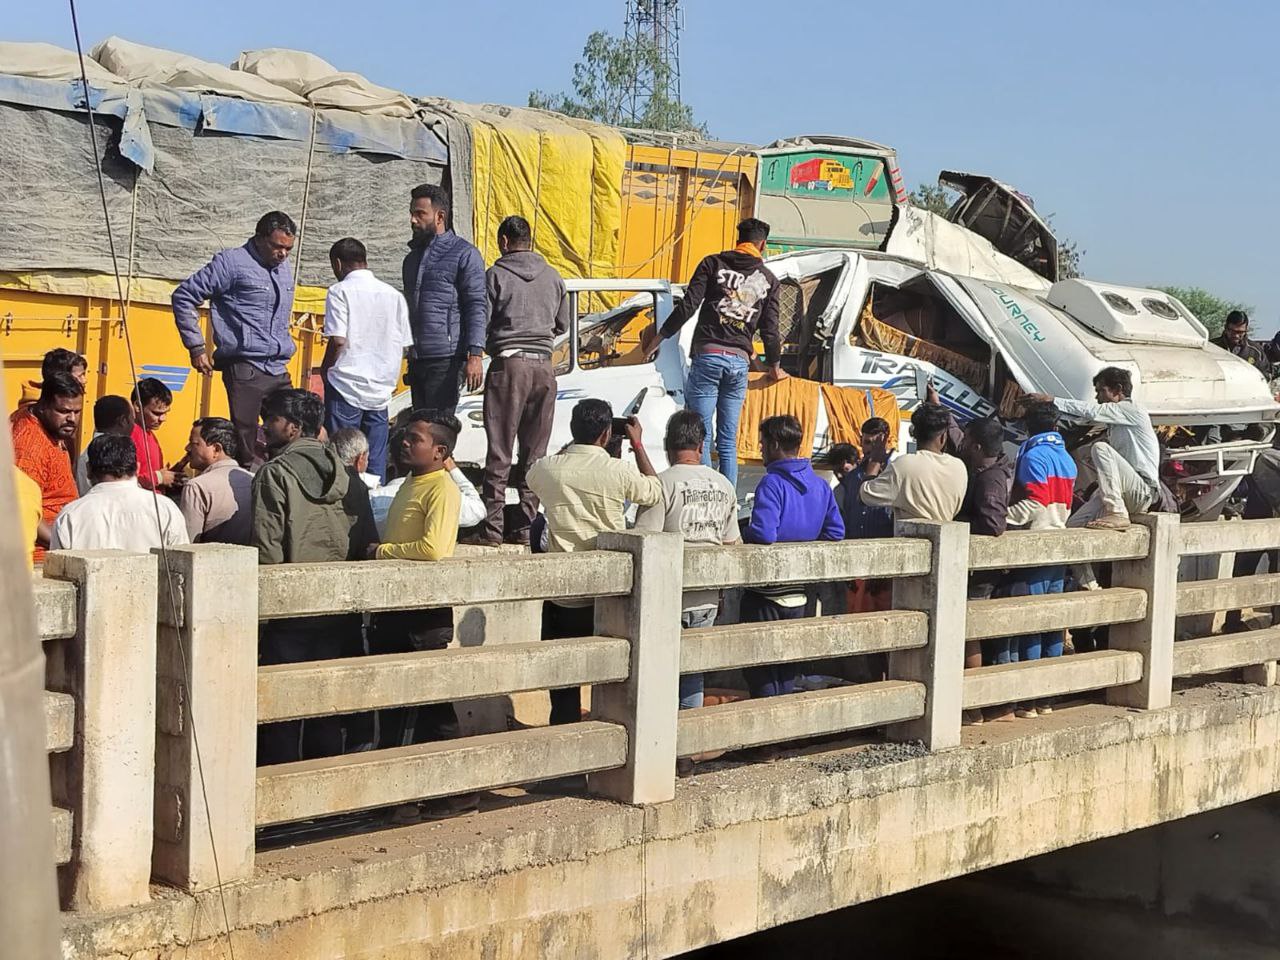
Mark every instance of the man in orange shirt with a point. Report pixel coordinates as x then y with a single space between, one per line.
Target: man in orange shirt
42 435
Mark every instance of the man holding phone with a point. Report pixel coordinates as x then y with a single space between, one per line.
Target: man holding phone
584 490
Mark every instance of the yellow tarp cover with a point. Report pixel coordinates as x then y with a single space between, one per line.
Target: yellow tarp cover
847 410
765 399
564 176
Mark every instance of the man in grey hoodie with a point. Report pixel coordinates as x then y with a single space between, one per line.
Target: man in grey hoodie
528 309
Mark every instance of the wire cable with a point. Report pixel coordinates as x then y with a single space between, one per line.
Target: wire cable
151 467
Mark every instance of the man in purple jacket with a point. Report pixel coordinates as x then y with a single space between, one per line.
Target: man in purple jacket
792 504
250 294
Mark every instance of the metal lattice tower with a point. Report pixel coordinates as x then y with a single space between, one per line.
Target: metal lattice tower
658 22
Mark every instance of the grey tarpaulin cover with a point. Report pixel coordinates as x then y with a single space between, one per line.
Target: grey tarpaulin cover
202 168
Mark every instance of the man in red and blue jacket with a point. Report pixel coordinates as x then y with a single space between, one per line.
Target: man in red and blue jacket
1044 480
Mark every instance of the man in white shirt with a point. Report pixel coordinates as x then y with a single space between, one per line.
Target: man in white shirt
1127 463
116 513
925 485
367 323
701 505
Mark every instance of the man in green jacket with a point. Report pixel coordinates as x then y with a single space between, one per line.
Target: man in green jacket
308 507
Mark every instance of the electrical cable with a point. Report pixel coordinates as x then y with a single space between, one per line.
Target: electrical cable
151 468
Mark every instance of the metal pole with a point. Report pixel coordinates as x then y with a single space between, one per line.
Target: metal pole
29 907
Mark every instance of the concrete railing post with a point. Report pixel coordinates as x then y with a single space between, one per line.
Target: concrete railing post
111 667
940 665
207 696
647 702
1151 636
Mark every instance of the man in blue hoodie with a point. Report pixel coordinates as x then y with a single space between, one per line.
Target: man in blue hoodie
792 505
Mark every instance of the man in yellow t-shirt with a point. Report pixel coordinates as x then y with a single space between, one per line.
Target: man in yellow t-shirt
29 511
421 525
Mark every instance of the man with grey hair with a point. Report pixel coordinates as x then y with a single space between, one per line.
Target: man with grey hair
352 448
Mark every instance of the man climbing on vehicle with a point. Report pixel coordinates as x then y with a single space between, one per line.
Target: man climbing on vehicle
735 296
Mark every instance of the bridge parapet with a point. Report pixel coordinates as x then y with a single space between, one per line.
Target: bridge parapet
205 693
96 615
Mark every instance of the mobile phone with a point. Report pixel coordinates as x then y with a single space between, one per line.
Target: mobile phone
922 383
619 429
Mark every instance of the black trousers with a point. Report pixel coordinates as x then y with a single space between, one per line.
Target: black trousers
247 387
300 640
770 679
562 623
434 384
406 631
1246 565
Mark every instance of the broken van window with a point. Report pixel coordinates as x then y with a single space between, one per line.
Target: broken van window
914 320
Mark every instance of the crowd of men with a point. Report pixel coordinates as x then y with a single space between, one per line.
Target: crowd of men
303 478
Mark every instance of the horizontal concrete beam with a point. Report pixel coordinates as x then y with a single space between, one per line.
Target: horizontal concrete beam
1036 548
1215 654
1239 593
748 644
59 721
382 778
750 723
318 589
1050 677
55 608
720 567
290 691
61 835
1229 536
1013 616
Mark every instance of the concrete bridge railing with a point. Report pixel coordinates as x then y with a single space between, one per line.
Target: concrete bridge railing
193 700
96 616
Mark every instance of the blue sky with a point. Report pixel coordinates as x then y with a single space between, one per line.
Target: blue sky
1148 129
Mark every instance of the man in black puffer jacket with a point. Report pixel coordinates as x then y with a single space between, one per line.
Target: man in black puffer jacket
448 311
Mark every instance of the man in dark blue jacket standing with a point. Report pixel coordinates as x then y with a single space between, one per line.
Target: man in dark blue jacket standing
250 294
448 306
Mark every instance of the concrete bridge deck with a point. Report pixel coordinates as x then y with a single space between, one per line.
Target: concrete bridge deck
741 847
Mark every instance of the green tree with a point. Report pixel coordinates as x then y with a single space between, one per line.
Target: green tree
933 197
1209 308
602 87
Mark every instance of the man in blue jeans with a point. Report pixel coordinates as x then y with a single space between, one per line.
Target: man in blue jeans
735 295
367 323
